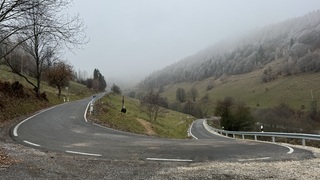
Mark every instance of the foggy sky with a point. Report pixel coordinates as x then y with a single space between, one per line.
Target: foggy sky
129 39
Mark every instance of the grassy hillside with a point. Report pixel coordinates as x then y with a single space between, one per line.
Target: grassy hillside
296 90
170 124
12 107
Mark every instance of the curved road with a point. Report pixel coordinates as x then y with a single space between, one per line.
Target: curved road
64 128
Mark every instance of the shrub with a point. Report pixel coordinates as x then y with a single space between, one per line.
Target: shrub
12 90
43 96
235 116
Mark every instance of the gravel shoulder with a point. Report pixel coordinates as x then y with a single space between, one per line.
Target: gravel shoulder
23 162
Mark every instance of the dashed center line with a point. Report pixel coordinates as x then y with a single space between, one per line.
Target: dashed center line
172 160
33 144
254 159
82 153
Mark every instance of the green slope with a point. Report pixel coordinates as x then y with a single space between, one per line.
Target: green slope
169 124
13 107
296 90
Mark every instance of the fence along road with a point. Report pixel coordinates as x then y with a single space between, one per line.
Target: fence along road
273 135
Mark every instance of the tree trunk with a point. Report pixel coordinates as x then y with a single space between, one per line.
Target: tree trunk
59 91
37 89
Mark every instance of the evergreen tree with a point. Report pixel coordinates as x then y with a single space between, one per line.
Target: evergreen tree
181 95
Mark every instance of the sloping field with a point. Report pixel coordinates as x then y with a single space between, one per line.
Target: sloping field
296 90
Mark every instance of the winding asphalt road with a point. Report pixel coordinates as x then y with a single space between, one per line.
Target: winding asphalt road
64 128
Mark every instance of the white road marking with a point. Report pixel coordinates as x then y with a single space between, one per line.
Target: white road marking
290 149
173 160
205 125
194 137
33 144
254 159
85 112
99 125
82 153
15 130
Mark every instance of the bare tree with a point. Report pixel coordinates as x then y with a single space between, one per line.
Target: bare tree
48 30
152 105
59 75
9 13
12 13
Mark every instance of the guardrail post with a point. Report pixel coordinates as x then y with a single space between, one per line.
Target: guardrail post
303 142
234 136
227 134
255 137
242 136
273 139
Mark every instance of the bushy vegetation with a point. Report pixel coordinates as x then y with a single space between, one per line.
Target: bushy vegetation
153 105
287 119
116 89
16 100
189 103
98 82
235 116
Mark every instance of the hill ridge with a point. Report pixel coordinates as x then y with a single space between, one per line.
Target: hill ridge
294 43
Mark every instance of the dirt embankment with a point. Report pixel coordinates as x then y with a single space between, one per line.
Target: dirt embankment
147 126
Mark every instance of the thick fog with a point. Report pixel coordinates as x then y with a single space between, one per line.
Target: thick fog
131 38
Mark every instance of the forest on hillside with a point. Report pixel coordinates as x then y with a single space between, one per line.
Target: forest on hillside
294 43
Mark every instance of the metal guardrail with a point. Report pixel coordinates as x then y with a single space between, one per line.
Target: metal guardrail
273 135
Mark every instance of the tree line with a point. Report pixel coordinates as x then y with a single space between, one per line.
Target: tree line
235 115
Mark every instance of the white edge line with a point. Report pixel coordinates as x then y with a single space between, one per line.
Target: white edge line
291 150
173 160
100 125
15 130
33 144
205 125
85 112
82 153
194 137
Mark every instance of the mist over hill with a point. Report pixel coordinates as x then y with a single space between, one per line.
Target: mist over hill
294 44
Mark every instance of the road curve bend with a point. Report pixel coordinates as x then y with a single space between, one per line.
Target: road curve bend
63 128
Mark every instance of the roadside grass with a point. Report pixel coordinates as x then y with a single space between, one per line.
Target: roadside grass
295 90
107 112
13 107
169 124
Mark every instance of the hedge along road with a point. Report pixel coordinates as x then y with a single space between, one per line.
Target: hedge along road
64 128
